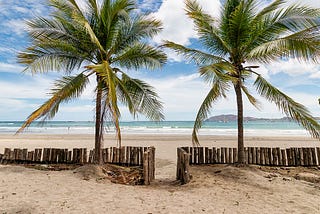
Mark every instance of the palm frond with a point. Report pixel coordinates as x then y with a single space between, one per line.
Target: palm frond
65 90
292 109
218 90
295 22
271 8
140 55
251 98
209 34
134 30
144 98
194 55
302 46
222 70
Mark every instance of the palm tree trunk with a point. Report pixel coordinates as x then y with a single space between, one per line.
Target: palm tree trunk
98 126
241 155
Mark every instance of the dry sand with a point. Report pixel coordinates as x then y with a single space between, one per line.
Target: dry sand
213 189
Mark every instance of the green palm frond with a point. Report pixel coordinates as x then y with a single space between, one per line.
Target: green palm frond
109 84
284 30
197 56
223 70
65 90
134 30
144 98
272 7
219 87
113 13
251 98
236 27
292 109
52 56
140 55
297 46
210 35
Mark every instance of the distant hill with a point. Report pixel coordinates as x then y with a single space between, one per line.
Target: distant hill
232 118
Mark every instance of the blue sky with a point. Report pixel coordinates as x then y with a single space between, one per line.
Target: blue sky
178 84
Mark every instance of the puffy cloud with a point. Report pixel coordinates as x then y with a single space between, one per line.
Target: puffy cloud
293 67
10 68
177 26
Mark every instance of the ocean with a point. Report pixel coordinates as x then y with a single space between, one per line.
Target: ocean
252 128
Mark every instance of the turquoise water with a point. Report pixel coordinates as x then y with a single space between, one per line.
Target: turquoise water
166 127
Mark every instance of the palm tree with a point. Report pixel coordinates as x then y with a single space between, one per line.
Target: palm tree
247 32
103 41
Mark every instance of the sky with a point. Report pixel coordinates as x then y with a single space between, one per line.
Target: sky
177 83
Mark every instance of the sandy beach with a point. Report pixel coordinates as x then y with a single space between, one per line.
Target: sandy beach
213 189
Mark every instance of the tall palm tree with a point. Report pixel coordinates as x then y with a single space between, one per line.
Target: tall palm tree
104 40
247 32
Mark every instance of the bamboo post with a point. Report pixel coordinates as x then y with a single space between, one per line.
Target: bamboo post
146 177
258 159
266 156
214 155
284 157
37 155
69 159
313 154
6 157
104 155
250 155
318 154
226 155
91 156
141 156
196 155
274 157
301 157
293 156
235 155
123 154
24 155
297 157
309 156
191 158
288 151
262 160
210 156
206 156
279 156
254 155
219 155
30 156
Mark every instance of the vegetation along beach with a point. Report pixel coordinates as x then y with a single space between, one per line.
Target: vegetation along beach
184 106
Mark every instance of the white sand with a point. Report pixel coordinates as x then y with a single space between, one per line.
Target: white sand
214 189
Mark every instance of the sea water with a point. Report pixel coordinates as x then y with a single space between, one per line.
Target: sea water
252 128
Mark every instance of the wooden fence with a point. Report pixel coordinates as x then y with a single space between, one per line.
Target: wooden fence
125 156
149 165
183 174
254 155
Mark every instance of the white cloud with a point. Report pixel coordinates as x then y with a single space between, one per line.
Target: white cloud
313 3
177 26
294 68
10 68
17 26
